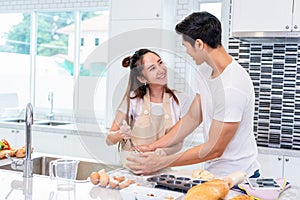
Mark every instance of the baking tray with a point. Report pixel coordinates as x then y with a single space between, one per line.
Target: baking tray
171 182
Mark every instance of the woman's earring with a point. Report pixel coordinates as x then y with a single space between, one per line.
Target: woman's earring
145 83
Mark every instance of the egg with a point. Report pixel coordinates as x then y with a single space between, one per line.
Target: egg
124 184
101 171
95 178
104 180
119 178
113 183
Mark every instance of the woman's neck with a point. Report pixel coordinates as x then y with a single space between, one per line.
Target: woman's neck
156 94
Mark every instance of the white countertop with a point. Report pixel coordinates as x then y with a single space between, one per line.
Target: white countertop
15 187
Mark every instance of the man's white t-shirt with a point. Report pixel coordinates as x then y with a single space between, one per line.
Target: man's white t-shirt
230 98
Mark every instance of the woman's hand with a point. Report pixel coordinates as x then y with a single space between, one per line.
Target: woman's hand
144 148
125 130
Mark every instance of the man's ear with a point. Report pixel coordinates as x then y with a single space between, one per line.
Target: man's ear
142 79
199 44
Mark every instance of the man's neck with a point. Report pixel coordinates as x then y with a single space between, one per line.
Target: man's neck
218 60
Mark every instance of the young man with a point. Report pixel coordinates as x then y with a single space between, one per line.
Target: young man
224 104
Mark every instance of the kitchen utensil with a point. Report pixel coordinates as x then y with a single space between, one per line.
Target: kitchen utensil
133 146
65 172
131 143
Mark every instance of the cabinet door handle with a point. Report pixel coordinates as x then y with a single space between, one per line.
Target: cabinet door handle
12 131
287 27
279 158
287 159
295 27
65 136
17 131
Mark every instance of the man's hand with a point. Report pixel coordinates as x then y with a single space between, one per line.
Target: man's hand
146 163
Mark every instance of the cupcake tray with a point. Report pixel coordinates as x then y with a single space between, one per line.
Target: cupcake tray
171 182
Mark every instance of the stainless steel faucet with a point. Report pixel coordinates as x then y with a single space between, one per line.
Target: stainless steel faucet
28 164
50 115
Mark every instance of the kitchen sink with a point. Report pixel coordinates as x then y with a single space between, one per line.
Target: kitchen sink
14 120
85 168
37 122
51 123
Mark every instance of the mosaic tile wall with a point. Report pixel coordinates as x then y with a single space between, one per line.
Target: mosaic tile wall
275 71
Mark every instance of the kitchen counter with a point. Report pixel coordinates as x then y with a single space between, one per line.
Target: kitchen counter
15 187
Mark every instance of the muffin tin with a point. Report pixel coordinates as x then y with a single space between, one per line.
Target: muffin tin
171 182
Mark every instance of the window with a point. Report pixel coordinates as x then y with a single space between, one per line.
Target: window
54 64
54 60
221 9
14 63
93 59
213 7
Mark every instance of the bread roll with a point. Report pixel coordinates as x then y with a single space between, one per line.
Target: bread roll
211 190
21 152
10 152
202 174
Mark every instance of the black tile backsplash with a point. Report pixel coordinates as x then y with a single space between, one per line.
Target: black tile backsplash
275 71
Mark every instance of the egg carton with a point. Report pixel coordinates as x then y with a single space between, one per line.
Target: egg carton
171 182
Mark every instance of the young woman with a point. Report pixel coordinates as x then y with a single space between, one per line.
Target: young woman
149 108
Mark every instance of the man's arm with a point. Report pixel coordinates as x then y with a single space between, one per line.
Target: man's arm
221 134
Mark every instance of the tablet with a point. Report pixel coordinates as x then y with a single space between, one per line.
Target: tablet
264 183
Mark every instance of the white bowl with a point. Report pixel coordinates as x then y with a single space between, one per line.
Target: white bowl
125 154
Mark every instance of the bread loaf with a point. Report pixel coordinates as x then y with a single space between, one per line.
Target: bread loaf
211 190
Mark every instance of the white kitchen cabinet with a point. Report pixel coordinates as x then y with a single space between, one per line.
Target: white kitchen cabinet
48 142
58 143
296 19
265 16
81 146
271 165
96 148
280 166
154 9
291 169
14 136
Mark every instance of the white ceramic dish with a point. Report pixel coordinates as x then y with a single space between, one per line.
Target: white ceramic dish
134 192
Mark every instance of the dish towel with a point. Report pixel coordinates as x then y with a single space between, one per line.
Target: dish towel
265 194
